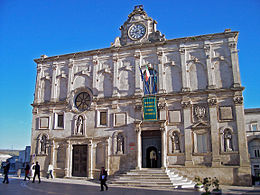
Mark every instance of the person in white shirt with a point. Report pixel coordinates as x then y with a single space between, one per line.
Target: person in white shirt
50 171
32 169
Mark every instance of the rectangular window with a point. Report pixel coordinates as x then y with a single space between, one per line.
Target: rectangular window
254 127
60 122
103 118
202 143
257 153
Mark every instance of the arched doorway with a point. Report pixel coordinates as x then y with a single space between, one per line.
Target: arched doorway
151 157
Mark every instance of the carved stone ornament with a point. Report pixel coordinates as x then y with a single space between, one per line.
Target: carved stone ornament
232 45
162 105
200 112
212 101
238 100
186 104
138 107
137 55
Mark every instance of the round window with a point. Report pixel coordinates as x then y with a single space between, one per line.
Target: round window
82 101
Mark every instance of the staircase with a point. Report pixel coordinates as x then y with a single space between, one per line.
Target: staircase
152 178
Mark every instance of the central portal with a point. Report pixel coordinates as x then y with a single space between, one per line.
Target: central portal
151 149
79 160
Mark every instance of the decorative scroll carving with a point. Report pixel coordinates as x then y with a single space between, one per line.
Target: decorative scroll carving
238 100
162 105
186 104
212 101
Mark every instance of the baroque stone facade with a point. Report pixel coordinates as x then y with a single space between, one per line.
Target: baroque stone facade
88 106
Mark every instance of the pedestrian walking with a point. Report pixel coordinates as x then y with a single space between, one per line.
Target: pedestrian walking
6 171
32 169
27 171
37 170
50 171
103 179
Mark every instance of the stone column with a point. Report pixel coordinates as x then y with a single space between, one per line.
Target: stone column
234 61
241 132
185 81
161 74
139 145
93 158
70 77
210 68
115 76
90 159
138 79
54 156
164 147
212 102
186 104
109 153
53 83
68 165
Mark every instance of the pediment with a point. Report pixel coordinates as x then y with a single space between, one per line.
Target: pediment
200 125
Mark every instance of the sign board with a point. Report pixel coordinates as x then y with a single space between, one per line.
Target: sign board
150 108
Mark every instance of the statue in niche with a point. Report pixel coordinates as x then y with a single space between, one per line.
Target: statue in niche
79 126
43 144
175 142
227 141
120 144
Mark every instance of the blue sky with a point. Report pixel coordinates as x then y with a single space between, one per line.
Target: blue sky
30 28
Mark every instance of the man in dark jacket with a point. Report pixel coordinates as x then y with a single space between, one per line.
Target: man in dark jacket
37 172
103 179
6 171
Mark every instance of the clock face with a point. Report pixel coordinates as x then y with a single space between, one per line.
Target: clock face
136 31
82 101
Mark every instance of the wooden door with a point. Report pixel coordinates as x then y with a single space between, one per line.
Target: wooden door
79 165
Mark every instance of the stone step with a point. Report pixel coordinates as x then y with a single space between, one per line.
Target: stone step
144 183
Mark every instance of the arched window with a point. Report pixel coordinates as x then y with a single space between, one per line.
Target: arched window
150 81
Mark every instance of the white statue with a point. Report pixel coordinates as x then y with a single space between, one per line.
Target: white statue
79 126
120 143
175 143
228 143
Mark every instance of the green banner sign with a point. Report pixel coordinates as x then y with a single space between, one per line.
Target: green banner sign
150 108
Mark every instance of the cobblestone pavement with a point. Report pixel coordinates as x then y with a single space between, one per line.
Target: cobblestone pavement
81 187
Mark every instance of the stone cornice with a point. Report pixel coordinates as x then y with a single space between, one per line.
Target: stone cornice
134 97
138 46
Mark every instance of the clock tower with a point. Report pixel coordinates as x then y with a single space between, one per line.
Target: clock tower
139 28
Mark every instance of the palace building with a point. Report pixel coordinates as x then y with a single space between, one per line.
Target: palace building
144 102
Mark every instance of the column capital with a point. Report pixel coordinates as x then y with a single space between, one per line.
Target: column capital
186 104
238 100
212 101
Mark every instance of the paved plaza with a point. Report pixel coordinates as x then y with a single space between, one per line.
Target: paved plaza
79 187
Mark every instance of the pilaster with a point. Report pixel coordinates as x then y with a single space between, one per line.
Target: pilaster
95 72
186 104
53 83
161 59
234 61
68 165
115 75
242 140
70 77
212 102
210 68
163 139
90 159
185 81
139 145
138 79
